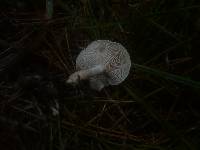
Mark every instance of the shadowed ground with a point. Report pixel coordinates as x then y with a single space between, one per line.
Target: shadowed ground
156 107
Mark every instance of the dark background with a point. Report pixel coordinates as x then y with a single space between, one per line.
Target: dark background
156 107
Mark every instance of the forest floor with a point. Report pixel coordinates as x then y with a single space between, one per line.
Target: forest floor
156 107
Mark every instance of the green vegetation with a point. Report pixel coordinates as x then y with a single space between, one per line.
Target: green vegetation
157 107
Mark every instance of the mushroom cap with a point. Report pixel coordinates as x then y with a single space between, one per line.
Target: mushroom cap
111 55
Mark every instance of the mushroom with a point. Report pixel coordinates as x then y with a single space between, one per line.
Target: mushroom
103 63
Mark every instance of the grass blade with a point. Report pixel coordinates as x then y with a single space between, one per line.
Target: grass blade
49 9
168 76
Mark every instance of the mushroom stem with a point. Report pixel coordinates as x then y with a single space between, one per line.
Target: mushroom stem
85 74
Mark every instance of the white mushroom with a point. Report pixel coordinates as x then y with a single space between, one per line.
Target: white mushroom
103 63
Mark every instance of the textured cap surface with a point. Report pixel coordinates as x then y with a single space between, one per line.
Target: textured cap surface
113 56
